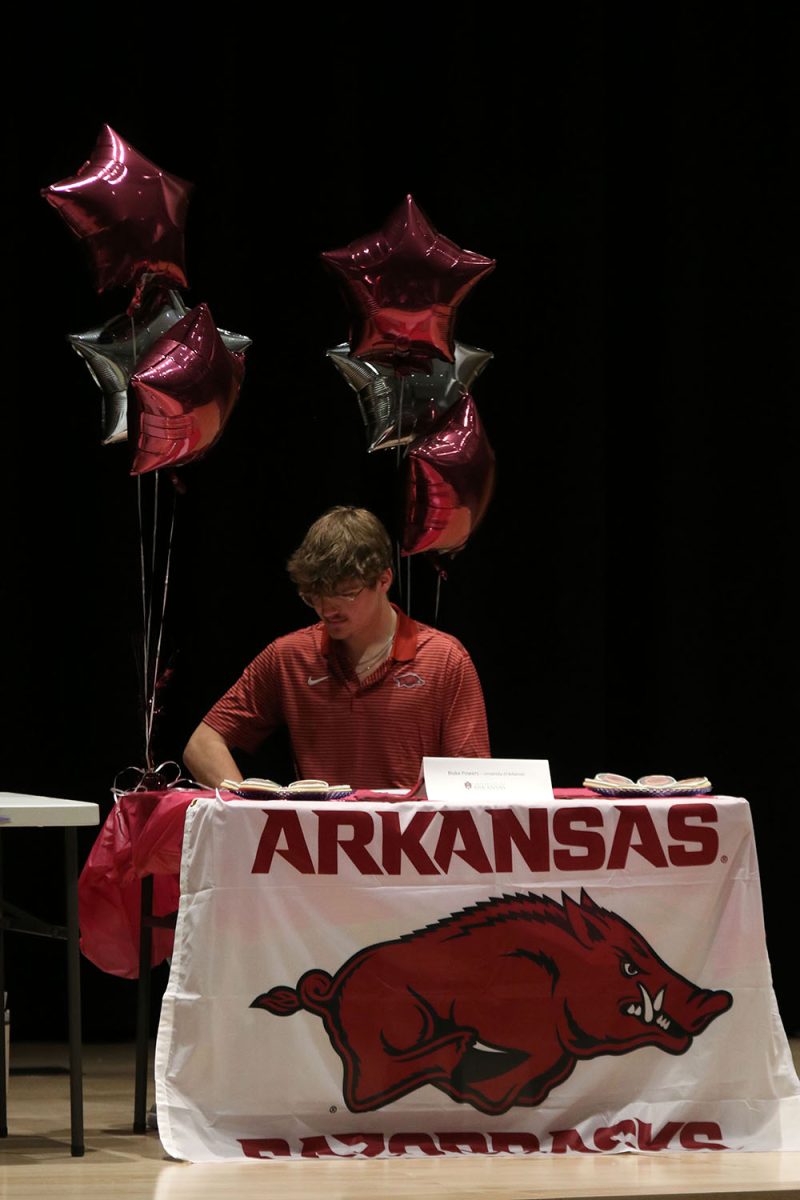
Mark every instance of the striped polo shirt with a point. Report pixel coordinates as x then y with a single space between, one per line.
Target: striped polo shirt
424 700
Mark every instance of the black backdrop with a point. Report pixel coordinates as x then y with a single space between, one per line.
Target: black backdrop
628 599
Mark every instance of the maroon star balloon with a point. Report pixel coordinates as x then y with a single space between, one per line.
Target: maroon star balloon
451 475
403 286
113 351
184 389
129 212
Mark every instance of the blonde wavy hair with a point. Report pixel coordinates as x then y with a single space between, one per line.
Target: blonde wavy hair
344 544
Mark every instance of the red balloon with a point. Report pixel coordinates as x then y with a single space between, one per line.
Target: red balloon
130 213
403 285
113 351
451 475
184 389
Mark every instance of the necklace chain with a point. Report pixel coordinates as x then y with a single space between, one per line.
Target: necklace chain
365 666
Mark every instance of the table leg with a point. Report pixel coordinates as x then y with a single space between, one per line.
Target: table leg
143 1006
3 1099
74 992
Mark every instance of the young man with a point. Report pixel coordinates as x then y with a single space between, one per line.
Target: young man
366 692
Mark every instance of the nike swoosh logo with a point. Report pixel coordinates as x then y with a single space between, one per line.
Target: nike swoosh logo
314 682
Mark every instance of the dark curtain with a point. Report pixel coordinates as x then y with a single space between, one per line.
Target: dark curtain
628 599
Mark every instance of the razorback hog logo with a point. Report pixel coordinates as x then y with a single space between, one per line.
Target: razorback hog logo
496 1004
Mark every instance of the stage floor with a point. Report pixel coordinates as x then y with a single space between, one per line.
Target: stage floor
35 1161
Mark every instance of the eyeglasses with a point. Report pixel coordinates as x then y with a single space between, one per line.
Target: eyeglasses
317 599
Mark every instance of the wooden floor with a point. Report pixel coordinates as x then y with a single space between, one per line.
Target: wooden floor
35 1162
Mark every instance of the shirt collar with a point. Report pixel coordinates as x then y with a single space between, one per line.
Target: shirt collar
404 646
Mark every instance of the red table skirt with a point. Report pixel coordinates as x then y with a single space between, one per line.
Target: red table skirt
142 835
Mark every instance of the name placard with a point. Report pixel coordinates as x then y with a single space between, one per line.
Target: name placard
482 780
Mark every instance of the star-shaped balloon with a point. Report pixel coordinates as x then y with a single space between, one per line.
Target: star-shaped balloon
184 390
451 475
113 351
403 286
129 212
397 408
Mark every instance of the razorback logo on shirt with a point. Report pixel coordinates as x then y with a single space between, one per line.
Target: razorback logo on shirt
409 679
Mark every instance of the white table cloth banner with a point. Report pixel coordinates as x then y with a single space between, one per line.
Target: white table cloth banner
374 980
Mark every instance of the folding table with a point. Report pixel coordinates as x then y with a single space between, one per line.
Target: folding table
49 811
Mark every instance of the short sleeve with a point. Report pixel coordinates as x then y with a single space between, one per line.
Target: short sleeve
250 710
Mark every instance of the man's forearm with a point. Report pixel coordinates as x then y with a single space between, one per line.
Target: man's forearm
208 758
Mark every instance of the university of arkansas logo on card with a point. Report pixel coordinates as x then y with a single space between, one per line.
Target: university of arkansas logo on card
495 1005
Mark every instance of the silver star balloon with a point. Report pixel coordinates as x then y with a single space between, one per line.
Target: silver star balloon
112 352
397 408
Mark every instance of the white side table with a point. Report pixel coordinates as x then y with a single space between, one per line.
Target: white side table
19 810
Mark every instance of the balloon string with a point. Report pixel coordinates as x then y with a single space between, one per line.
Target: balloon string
156 481
151 660
147 780
145 621
400 422
399 570
408 586
438 594
157 659
149 634
406 603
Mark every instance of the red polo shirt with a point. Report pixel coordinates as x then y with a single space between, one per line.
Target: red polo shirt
424 700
